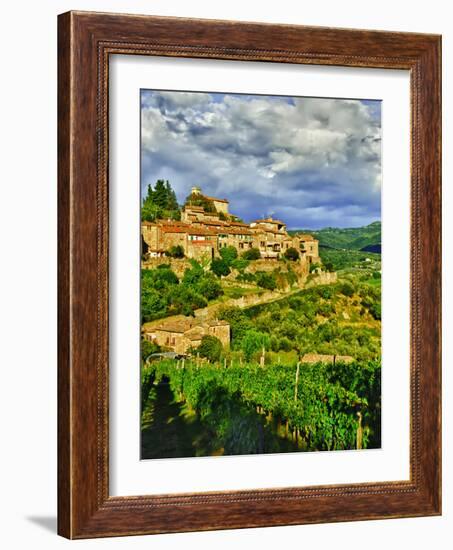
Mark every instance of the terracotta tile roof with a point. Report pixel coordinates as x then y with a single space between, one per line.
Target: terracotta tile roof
174 229
305 237
196 230
270 220
264 230
218 223
172 222
195 333
216 199
175 326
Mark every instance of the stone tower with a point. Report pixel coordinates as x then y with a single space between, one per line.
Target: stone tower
195 190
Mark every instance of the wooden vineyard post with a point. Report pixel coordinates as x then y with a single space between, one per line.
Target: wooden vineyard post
359 431
297 381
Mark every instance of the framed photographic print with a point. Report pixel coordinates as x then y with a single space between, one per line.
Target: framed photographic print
249 275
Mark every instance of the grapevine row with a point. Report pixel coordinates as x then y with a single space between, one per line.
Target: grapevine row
333 407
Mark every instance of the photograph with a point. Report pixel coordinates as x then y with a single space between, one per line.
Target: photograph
260 274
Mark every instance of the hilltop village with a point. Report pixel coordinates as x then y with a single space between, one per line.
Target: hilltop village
205 227
204 230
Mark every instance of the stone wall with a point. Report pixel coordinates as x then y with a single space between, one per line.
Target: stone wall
323 278
222 332
178 265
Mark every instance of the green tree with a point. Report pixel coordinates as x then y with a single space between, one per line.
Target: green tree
238 320
160 194
229 254
211 348
147 348
291 254
160 202
252 254
252 342
193 274
220 267
266 280
209 287
172 202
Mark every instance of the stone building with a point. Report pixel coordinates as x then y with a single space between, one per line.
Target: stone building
179 335
203 234
221 205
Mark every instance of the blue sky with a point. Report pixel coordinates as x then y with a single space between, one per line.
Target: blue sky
312 162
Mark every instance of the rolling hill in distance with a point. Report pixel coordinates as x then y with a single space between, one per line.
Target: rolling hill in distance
365 239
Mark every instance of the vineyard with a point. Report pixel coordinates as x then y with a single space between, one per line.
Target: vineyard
252 409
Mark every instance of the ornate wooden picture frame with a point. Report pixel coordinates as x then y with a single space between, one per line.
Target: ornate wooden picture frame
85 507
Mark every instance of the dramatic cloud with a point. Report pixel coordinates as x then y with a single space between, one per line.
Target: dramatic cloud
313 162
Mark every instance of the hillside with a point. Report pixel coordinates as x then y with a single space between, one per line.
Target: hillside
367 238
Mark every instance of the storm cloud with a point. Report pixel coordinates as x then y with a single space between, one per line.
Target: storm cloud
313 162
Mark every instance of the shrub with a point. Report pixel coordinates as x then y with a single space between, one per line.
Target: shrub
291 254
228 254
347 289
252 342
220 267
185 299
240 264
246 277
251 254
153 304
325 292
266 280
239 322
285 344
193 274
375 311
209 287
175 251
147 348
211 348
167 276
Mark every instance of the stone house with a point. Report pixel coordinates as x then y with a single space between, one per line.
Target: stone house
181 334
269 236
309 246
